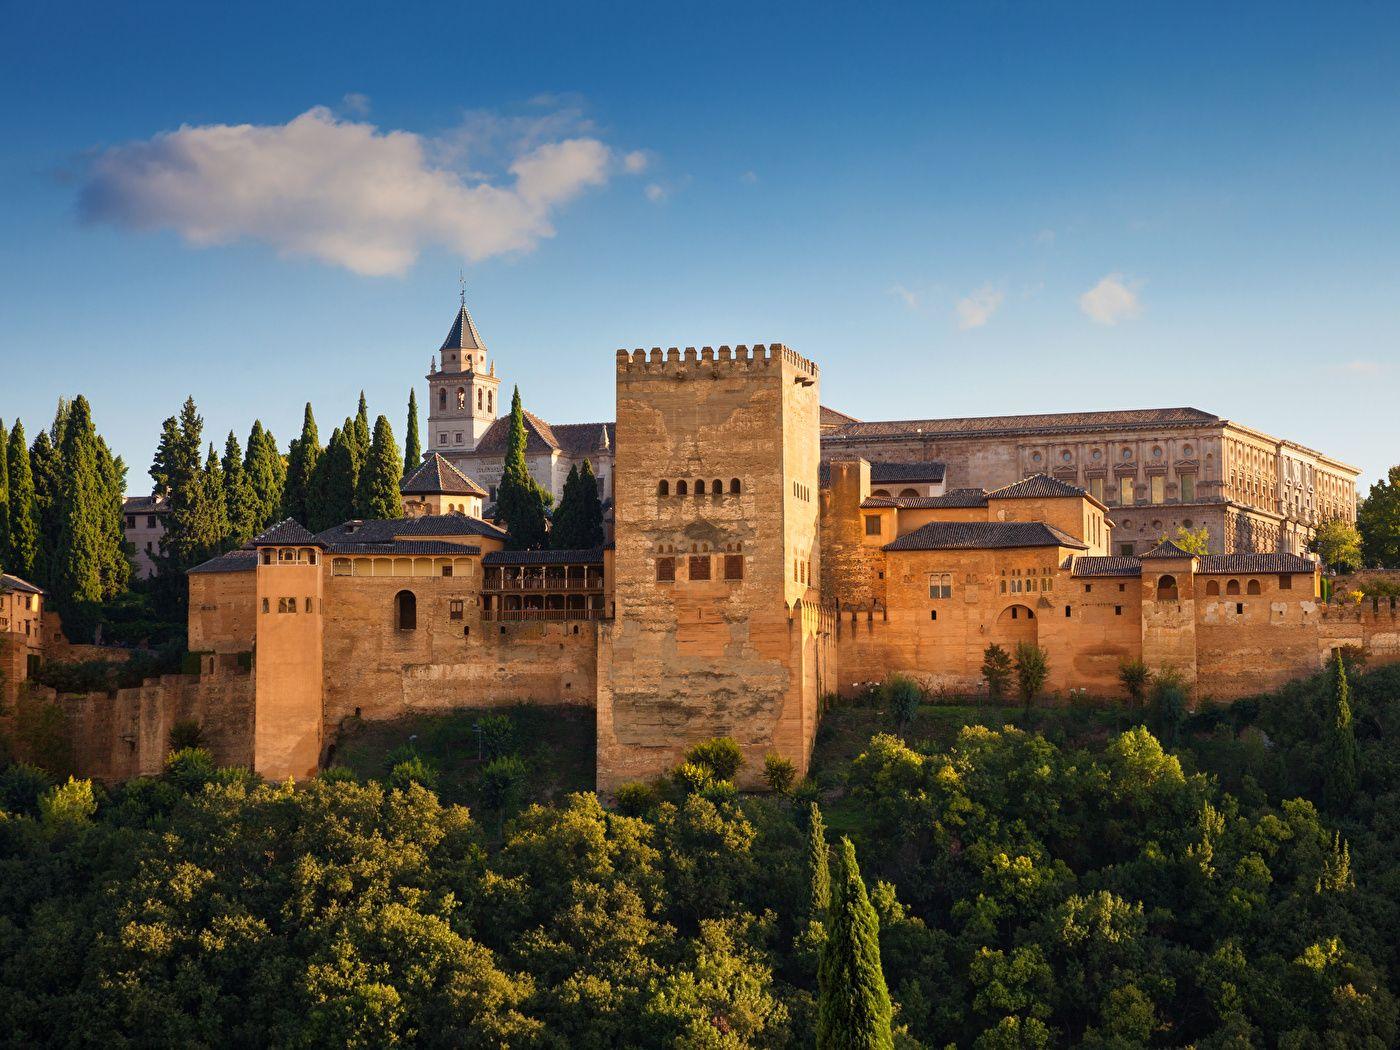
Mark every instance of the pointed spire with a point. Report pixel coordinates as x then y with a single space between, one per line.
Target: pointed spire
463 335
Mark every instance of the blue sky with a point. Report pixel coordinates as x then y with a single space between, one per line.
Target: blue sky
955 209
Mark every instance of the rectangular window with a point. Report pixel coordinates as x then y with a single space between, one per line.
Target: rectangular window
442 439
1125 550
447 570
933 614
1285 583
1159 488
733 566
1067 612
872 524
308 605
150 521
131 521
665 570
940 585
1118 610
699 566
1125 491
265 605
1096 488
454 609
1188 488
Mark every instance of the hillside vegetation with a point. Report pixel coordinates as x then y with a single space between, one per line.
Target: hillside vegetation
1068 882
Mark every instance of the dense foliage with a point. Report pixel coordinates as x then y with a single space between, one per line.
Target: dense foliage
1025 890
520 501
1378 520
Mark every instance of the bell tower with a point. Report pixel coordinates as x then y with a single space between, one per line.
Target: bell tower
462 389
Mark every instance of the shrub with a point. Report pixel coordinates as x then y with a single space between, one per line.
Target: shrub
413 770
190 769
692 778
778 772
68 804
1169 703
902 696
1032 668
996 670
634 799
338 775
807 792
497 736
503 782
21 786
721 755
185 734
1135 677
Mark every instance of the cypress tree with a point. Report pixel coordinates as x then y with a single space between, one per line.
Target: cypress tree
853 1004
818 865
564 527
1338 741
377 495
260 466
591 531
214 507
412 447
191 523
76 569
240 502
519 501
332 496
46 468
360 431
116 558
305 451
24 514
4 496
165 449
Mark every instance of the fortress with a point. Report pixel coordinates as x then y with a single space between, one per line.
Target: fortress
766 553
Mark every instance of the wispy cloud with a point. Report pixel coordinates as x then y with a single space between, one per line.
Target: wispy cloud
355 103
976 309
347 193
655 192
1112 300
749 177
635 162
908 296
1361 368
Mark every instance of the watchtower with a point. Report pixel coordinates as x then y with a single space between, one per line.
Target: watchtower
718 628
463 390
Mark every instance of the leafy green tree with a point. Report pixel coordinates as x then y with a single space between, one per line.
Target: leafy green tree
1378 520
378 492
116 554
196 522
213 478
331 499
68 805
996 671
1338 740
412 445
902 697
46 463
1338 543
79 556
302 457
854 1009
360 433
1135 677
1032 669
263 467
24 515
578 521
240 502
1169 701
520 503
4 497
1192 541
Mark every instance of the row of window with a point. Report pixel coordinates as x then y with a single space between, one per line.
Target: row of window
1126 454
802 492
698 567
151 521
287 605
487 405
684 488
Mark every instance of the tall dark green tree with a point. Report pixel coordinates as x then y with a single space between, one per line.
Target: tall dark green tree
4 496
412 446
818 864
591 530
302 457
263 467
116 557
853 1004
377 494
47 470
213 478
332 496
78 557
192 522
240 502
24 515
1378 520
1338 740
564 526
520 502
359 431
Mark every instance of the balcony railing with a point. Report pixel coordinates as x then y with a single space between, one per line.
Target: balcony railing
527 615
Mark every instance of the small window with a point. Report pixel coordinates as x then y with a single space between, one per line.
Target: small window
663 488
308 605
454 609
700 487
933 614
665 570
681 489
699 566
733 566
266 605
447 570
718 487
872 524
1118 610
734 486
1088 588
1067 612
406 611
1253 587
940 585
1285 582
442 398
1125 550
1166 589
1239 608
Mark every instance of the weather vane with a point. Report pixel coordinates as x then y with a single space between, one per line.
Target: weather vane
462 287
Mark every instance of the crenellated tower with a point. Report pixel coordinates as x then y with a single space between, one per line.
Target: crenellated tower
463 391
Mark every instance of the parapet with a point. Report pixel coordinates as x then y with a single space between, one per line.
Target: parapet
740 358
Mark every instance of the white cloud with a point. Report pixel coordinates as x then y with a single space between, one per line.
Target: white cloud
910 297
1111 300
655 192
349 194
635 162
1361 368
356 103
976 309
749 177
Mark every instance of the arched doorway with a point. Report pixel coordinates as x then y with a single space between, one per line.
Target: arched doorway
406 611
1015 624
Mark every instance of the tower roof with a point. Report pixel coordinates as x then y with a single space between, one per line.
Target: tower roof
436 476
463 335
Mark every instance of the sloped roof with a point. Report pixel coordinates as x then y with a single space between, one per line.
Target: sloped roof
351 533
1167 549
1039 423
983 535
951 498
579 439
436 476
1038 486
560 557
422 547
144 505
829 417
463 334
15 584
286 533
538 436
1247 563
1098 565
242 560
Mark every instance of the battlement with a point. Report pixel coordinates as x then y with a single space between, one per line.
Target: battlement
1371 609
740 358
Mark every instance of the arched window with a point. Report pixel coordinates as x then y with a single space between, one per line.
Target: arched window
879 492
717 487
1166 588
489 399
734 486
461 397
1213 589
1253 587
681 490
478 400
1233 587
663 488
700 487
442 398
406 611
909 492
